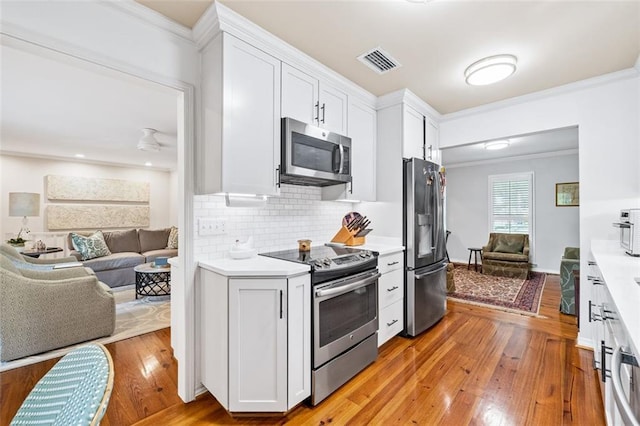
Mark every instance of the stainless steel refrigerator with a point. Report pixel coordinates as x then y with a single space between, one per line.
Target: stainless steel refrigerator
424 239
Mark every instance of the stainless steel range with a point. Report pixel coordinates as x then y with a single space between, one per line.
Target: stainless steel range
345 313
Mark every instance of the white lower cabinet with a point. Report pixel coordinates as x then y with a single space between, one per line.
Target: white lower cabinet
261 348
390 296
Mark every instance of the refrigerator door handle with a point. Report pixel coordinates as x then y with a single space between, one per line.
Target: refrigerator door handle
421 276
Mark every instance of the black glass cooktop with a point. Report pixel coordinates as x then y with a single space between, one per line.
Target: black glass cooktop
316 253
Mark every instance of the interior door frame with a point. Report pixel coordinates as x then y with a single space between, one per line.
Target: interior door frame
188 383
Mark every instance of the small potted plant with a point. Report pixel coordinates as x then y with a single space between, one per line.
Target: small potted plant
18 241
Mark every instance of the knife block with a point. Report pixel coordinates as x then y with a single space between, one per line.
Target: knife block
347 237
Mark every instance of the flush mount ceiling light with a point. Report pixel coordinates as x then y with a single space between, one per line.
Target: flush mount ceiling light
490 70
495 145
148 141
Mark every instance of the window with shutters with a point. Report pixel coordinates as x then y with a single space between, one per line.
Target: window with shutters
511 203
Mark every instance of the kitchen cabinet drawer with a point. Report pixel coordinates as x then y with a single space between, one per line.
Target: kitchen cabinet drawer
391 262
390 288
391 322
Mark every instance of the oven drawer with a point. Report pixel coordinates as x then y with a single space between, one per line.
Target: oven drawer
391 321
390 288
390 262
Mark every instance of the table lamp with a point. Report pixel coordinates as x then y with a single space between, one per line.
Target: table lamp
24 204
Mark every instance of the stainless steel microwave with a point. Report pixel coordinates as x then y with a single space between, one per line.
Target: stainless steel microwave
313 156
629 231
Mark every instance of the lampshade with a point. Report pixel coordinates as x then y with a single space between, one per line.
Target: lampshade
24 204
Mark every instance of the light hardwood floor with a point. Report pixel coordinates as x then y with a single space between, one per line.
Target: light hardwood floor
477 366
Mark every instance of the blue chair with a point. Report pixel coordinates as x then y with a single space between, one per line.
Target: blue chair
75 391
570 262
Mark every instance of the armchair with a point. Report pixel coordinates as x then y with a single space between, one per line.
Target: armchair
570 262
45 310
506 255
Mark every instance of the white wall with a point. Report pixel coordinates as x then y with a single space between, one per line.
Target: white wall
24 174
467 207
174 198
606 111
296 214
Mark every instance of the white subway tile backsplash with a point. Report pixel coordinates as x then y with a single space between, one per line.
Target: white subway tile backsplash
297 213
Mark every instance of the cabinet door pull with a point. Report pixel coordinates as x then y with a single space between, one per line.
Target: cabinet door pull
322 112
281 304
317 117
389 324
604 351
395 287
430 152
278 177
593 316
591 263
393 263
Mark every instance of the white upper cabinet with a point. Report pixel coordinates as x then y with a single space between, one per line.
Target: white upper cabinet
413 133
241 114
431 141
299 95
362 131
306 99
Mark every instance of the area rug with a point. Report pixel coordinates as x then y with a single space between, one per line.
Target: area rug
506 294
133 318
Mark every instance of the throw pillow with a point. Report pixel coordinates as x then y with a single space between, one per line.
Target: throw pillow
172 242
90 247
509 247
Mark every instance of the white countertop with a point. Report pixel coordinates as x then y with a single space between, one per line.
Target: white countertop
257 266
619 270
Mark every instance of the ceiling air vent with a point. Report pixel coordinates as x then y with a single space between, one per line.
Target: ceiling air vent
379 60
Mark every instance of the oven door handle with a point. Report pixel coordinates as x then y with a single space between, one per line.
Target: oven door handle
623 405
348 287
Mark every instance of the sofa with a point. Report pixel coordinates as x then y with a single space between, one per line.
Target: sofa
45 309
127 249
506 255
570 262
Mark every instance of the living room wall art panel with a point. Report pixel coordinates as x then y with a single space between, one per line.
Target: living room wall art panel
96 217
74 188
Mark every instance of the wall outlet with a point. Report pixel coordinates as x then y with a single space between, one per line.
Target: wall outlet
211 226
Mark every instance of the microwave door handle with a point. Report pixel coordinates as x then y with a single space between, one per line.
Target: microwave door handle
341 166
622 225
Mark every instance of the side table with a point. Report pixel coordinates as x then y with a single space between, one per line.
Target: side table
475 252
152 281
36 253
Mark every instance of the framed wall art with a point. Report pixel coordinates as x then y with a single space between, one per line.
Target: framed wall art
567 194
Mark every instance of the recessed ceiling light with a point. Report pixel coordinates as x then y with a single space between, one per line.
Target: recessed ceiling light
490 70
79 155
148 164
495 145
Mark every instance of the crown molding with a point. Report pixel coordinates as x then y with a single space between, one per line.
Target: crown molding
406 96
150 16
219 18
547 93
514 158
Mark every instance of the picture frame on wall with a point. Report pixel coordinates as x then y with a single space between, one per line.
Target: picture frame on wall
567 194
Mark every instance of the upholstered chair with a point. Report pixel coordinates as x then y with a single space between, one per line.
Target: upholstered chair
569 263
506 255
49 309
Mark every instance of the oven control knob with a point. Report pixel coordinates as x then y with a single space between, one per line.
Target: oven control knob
318 264
327 261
